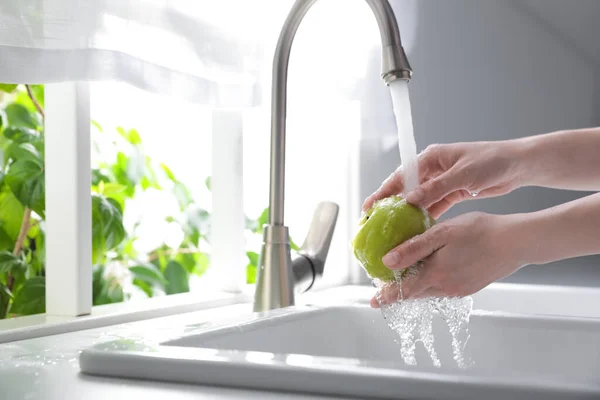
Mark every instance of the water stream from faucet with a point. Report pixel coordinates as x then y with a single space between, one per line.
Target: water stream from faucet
412 319
406 137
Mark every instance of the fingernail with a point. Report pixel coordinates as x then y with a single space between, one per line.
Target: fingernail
415 196
391 260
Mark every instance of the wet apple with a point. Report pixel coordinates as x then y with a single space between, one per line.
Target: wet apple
388 223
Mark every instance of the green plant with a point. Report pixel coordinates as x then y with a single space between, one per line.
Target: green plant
121 174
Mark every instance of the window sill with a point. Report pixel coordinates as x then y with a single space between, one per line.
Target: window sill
111 314
35 326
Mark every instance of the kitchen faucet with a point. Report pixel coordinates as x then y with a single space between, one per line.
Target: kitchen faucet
278 276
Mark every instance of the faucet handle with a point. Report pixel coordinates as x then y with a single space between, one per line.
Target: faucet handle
309 263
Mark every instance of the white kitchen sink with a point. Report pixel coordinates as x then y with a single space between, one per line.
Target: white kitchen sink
565 301
350 351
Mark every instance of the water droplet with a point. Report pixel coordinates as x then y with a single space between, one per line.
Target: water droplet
474 194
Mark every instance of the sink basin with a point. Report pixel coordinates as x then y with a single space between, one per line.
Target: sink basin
350 351
563 301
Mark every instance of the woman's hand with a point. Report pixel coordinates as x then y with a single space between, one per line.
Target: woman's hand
451 173
460 257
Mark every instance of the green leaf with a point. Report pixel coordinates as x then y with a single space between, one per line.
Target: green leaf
107 226
251 273
21 134
136 167
119 170
5 292
194 263
159 257
101 175
19 115
110 189
168 172
132 135
202 263
25 152
1 178
27 182
128 249
22 98
293 245
207 182
183 195
106 289
262 220
39 94
252 257
8 87
197 220
97 126
149 179
148 273
252 267
177 278
11 213
10 262
31 297
187 259
115 191
40 248
146 288
6 242
98 282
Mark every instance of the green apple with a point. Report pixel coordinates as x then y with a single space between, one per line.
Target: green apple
387 224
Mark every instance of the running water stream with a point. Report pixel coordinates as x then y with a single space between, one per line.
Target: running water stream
413 319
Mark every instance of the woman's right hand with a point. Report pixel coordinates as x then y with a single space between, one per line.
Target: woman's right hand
451 173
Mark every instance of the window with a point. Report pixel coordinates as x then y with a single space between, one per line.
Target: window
189 172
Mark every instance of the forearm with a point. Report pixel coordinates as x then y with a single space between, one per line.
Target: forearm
562 160
566 231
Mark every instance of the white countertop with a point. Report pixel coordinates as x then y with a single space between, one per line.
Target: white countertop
47 368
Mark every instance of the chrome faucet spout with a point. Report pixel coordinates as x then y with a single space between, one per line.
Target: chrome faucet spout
276 280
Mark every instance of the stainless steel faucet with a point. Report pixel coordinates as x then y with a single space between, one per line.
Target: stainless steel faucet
278 275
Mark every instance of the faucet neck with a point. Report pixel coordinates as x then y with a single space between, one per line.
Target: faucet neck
394 66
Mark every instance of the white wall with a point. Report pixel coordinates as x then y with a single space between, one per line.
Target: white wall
483 70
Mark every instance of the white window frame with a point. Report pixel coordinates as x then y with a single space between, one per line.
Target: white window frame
68 200
69 225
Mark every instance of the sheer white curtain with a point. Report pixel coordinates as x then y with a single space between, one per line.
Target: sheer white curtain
204 51
219 53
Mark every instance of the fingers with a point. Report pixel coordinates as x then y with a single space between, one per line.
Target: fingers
437 209
437 188
394 184
416 249
409 288
430 292
414 286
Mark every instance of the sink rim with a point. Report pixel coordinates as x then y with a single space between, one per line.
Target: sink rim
159 354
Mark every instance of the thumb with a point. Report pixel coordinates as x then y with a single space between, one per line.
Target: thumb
436 189
415 249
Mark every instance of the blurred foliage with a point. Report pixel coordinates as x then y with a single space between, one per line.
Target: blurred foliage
122 174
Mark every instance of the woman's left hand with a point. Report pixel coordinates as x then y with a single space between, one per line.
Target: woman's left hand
460 257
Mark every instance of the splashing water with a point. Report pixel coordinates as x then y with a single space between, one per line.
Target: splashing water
413 319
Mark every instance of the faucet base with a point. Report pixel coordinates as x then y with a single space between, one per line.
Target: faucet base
274 281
